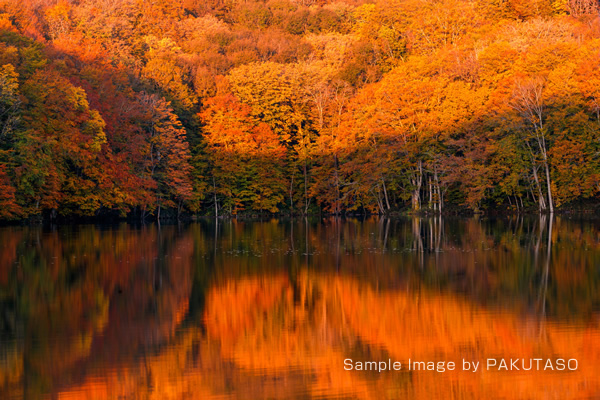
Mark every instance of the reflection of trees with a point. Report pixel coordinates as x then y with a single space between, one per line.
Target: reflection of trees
93 295
287 339
546 269
308 328
277 307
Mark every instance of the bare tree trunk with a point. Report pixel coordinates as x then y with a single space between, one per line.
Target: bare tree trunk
549 184
380 202
417 182
215 198
521 199
292 195
541 201
431 203
528 100
438 191
387 201
306 201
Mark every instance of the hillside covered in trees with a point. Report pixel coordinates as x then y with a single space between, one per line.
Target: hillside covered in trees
137 107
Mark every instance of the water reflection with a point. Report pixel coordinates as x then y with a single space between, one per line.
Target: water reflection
250 310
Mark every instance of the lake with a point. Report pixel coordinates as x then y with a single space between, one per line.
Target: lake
283 309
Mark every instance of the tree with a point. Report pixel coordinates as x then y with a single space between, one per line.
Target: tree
276 96
528 101
9 100
330 99
166 154
168 77
246 155
57 152
9 208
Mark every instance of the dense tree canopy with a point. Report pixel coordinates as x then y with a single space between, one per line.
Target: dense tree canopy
219 107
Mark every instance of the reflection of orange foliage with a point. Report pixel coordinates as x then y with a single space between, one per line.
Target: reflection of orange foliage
314 336
79 322
428 326
161 377
425 325
92 389
267 337
233 308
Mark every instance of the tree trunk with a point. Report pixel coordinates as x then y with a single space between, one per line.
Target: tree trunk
215 198
521 199
387 201
292 195
380 202
548 183
431 203
541 201
417 181
306 202
438 192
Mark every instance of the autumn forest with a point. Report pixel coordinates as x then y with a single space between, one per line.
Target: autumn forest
170 108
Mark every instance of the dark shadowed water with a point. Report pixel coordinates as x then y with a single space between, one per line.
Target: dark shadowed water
282 310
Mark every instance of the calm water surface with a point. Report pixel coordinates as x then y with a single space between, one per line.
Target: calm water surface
270 310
